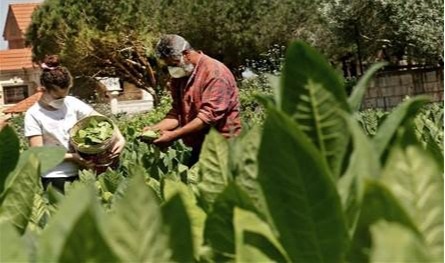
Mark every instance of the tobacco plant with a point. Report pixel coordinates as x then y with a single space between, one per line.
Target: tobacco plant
309 185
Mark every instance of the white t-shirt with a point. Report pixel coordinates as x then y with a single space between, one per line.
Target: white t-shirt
54 126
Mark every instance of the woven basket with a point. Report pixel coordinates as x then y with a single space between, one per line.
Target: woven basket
93 149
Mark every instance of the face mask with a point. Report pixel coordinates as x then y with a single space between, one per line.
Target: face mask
57 104
182 70
177 72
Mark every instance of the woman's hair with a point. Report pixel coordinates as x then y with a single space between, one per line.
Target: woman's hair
54 75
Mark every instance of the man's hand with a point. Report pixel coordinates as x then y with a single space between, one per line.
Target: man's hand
166 139
148 128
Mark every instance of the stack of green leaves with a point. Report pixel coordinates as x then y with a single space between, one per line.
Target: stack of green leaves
96 132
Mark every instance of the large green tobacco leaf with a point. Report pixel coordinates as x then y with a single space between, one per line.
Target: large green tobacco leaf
48 156
364 164
178 227
417 181
196 215
246 157
12 246
254 239
213 166
9 153
135 230
85 242
393 242
40 213
18 198
356 97
299 189
387 130
74 233
219 229
302 64
378 203
313 95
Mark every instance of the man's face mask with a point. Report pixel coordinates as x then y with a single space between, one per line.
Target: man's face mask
182 70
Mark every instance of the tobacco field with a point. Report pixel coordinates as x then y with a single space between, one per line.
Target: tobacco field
318 181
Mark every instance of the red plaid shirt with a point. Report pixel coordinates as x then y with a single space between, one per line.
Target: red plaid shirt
209 94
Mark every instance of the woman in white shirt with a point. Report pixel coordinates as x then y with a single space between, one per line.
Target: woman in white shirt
47 122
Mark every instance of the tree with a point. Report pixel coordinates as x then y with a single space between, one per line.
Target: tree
235 30
401 28
97 38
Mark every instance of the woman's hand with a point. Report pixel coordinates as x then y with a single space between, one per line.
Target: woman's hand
76 158
118 147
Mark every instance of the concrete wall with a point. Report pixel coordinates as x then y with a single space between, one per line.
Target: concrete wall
388 89
134 106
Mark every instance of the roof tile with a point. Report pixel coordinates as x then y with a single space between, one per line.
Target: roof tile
23 14
16 59
24 105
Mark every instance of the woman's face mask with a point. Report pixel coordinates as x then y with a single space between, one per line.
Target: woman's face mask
57 104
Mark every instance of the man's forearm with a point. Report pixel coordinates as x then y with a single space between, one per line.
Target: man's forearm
166 125
195 125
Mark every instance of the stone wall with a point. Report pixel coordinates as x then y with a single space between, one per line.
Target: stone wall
389 88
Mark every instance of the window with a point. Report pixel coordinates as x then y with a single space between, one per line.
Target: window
14 94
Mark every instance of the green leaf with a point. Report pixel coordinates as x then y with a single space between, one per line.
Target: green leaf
213 166
299 188
304 64
393 242
378 203
387 130
313 95
356 97
54 196
9 153
416 180
13 247
85 242
110 180
246 157
196 215
275 85
254 239
135 231
74 233
178 227
18 198
364 164
48 156
39 214
219 229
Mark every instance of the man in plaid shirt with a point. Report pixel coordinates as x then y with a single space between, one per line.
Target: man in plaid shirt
204 95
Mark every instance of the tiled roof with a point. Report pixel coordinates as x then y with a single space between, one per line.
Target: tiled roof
15 59
24 105
23 14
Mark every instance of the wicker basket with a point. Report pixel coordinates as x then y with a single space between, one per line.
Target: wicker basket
99 153
93 149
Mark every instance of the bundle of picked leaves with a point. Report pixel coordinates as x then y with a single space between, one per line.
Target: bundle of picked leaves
94 133
148 136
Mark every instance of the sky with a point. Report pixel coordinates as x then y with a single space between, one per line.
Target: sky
3 12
